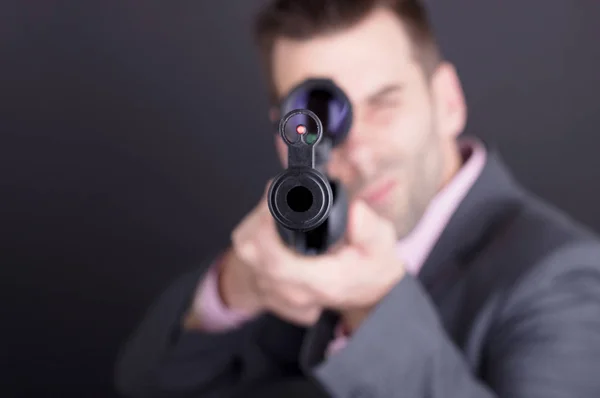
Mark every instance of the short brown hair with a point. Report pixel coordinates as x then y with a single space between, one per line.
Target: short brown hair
305 19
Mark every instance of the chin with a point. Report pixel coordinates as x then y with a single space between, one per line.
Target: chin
403 229
387 212
402 221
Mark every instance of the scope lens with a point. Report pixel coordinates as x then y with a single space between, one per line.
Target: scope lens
330 108
301 126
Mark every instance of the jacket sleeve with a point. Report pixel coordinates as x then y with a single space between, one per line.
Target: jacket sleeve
545 342
160 359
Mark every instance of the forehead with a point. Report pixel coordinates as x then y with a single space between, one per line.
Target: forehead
370 54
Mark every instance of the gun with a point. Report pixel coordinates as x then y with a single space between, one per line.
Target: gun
310 208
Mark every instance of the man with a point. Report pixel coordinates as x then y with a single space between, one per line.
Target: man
452 281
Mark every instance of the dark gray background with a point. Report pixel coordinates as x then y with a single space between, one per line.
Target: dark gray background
135 136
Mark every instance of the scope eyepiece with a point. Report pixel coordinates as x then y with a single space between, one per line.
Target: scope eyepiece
325 99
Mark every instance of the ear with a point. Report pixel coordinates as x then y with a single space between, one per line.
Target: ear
274 119
280 147
282 150
451 108
274 114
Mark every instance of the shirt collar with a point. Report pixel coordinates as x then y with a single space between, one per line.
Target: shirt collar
414 248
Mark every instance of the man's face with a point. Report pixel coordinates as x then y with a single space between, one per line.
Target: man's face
399 151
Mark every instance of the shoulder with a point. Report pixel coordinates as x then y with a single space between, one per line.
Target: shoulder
542 248
543 232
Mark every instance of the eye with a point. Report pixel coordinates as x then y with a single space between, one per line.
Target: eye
385 103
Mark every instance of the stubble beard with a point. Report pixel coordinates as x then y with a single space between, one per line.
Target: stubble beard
422 185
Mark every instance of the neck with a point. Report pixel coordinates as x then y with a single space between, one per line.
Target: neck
453 162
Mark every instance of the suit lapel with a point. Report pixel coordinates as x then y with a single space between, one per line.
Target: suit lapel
484 208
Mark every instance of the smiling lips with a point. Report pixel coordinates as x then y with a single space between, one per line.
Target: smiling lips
380 192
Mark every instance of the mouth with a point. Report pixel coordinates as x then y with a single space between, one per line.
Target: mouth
379 192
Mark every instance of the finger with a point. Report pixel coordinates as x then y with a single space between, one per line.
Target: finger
284 295
242 242
299 316
292 297
315 274
270 243
268 186
264 200
366 229
361 224
245 233
247 225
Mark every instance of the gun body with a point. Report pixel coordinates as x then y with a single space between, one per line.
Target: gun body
310 208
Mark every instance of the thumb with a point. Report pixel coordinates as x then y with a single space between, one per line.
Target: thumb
268 187
264 200
363 225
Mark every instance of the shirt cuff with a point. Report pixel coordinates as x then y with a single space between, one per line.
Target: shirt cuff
213 313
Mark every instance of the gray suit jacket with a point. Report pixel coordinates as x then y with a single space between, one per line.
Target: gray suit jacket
507 305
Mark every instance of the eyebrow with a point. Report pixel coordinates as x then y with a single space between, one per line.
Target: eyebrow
386 90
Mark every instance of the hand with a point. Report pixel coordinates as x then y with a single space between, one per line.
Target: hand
248 287
352 279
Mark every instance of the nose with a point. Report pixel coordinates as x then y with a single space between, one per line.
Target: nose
354 158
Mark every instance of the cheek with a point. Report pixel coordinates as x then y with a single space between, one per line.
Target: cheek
340 169
413 127
400 134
